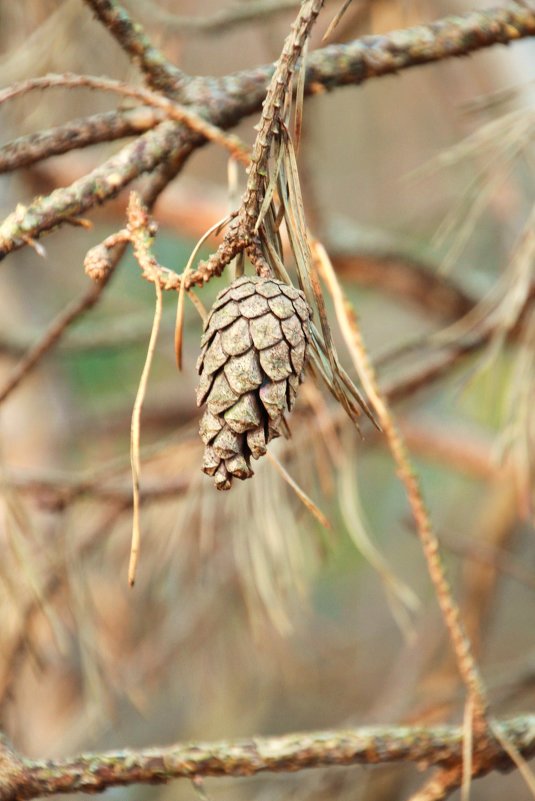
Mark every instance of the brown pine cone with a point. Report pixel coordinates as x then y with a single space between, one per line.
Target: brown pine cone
251 364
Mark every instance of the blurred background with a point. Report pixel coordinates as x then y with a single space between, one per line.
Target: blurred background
247 617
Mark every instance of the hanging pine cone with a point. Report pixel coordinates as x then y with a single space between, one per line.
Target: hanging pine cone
252 361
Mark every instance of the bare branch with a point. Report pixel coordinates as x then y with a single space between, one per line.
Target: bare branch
374 56
106 181
106 127
160 73
74 310
94 773
240 234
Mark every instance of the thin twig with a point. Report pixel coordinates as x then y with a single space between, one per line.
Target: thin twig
172 109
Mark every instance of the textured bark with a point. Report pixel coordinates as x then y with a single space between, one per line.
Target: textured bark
426 746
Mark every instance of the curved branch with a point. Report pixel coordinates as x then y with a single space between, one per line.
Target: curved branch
94 773
160 73
173 110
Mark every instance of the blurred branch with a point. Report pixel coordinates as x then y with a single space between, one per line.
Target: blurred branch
410 279
106 127
74 310
224 102
53 333
93 773
159 72
56 492
224 20
114 334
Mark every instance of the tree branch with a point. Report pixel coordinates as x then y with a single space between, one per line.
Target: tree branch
224 102
143 155
159 72
106 127
93 773
74 310
353 63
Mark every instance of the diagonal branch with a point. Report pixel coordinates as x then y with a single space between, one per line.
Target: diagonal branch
94 773
159 72
353 63
106 127
143 155
74 310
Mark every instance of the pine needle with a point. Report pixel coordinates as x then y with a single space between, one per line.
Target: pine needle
135 432
461 645
179 325
468 749
300 97
335 20
301 494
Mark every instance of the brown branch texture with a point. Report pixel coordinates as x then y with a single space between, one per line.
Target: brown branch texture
440 746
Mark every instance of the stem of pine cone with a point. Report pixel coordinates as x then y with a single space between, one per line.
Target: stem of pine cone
240 234
272 109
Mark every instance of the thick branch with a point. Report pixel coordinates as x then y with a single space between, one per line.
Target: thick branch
369 57
160 73
93 773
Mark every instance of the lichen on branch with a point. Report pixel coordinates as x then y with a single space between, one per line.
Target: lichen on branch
439 746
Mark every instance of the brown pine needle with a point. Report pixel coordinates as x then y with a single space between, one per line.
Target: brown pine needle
335 20
468 749
301 494
134 435
198 304
179 326
461 645
515 755
300 98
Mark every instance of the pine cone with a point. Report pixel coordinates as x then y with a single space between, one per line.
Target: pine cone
251 364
